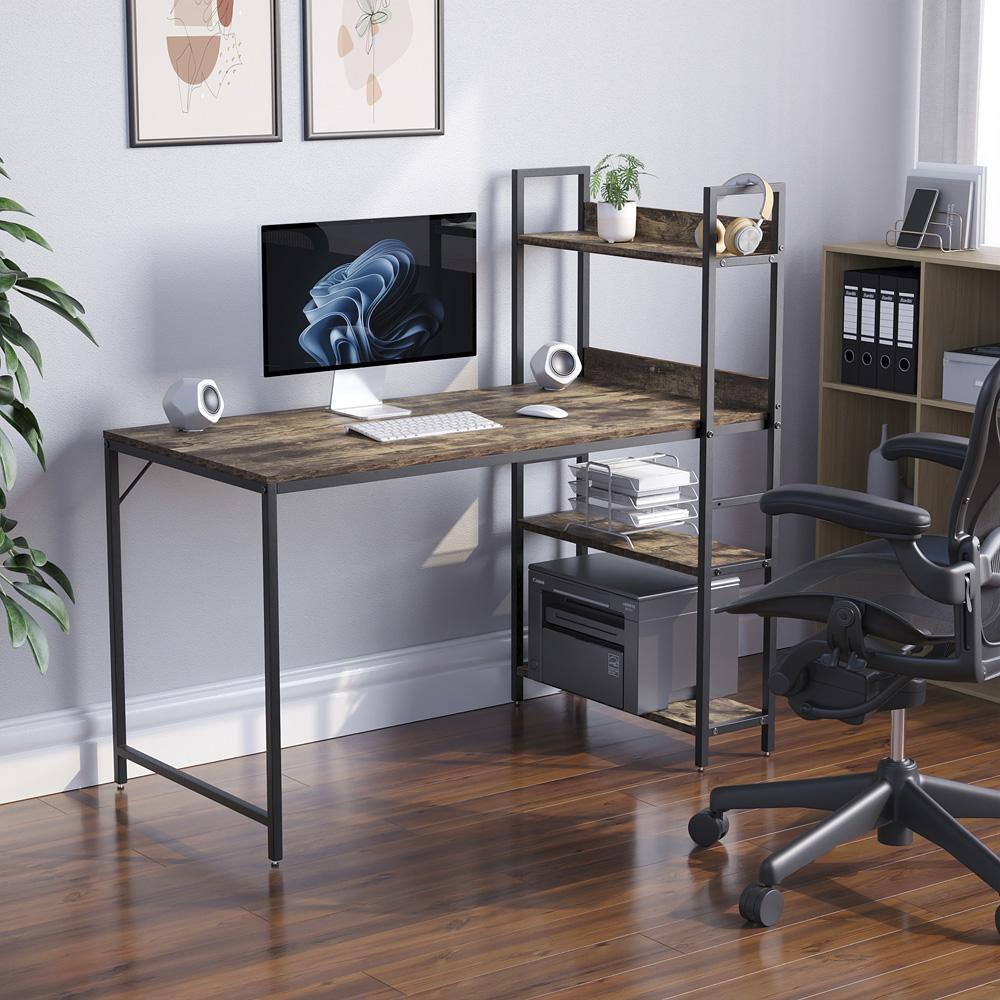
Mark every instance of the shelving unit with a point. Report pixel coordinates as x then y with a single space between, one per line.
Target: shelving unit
959 305
726 402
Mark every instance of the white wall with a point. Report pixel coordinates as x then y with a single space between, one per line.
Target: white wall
161 245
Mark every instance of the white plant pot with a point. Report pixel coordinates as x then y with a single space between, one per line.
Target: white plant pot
616 225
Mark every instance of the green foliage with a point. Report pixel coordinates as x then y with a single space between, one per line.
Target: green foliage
616 177
27 576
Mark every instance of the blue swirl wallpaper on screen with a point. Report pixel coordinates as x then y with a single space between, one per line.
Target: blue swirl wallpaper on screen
367 311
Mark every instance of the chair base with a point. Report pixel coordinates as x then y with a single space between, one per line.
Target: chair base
897 801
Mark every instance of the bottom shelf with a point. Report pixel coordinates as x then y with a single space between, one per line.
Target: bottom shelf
724 715
670 549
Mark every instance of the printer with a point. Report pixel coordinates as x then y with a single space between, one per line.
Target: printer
624 633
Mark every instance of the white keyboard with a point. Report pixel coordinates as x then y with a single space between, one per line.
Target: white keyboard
406 428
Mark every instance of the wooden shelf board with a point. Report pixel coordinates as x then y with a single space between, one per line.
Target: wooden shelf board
583 241
722 713
864 390
949 404
666 548
985 258
586 242
662 234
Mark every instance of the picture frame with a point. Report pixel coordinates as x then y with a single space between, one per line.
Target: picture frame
217 81
338 39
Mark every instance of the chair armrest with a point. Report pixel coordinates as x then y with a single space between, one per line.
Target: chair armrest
849 508
943 449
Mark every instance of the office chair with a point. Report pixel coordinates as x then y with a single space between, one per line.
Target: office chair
899 610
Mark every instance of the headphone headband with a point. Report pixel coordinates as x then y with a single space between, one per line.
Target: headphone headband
747 180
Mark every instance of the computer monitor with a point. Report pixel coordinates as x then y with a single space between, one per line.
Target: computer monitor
352 297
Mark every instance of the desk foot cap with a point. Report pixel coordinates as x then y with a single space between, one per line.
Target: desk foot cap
274 864
120 787
701 769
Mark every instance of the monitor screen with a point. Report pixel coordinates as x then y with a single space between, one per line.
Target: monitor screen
368 292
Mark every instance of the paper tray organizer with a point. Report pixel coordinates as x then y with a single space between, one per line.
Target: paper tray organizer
628 496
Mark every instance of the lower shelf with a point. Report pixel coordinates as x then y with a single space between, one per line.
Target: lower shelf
724 715
669 549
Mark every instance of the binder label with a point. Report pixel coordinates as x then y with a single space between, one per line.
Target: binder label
850 310
868 314
887 309
904 330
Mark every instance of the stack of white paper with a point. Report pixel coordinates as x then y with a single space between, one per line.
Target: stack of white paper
639 492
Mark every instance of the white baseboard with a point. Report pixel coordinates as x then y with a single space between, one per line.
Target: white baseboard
57 751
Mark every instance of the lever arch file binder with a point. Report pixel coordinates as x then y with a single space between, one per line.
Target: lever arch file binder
907 330
866 329
885 349
849 344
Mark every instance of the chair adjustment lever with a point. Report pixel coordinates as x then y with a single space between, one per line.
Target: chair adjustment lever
791 675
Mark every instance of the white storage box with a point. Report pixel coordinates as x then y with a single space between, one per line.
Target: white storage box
966 370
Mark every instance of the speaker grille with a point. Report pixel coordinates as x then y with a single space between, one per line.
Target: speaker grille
210 399
562 362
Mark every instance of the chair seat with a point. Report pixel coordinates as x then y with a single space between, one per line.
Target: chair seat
868 574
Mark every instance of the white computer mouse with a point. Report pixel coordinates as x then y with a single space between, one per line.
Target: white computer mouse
542 410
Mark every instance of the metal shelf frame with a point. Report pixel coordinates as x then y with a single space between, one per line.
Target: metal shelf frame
706 434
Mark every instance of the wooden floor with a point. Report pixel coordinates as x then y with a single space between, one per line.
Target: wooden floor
495 854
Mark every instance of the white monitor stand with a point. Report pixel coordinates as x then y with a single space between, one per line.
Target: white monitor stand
357 392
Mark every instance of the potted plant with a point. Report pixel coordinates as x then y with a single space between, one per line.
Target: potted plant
27 575
613 182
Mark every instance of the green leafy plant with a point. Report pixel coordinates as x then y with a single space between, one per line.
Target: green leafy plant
27 575
616 177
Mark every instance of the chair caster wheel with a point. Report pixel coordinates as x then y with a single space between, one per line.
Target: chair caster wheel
761 904
707 828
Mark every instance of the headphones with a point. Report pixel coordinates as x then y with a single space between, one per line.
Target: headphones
741 236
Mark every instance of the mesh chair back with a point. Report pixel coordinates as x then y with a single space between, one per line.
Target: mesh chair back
975 508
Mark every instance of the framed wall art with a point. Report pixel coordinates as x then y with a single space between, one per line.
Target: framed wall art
203 71
373 68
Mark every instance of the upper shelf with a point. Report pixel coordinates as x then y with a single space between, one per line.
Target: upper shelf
985 258
661 234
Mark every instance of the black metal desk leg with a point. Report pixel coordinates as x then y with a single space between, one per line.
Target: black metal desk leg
272 672
516 582
112 499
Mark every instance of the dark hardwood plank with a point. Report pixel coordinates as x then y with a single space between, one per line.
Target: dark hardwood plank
495 854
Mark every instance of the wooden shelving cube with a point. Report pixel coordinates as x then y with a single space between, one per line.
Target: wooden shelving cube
959 307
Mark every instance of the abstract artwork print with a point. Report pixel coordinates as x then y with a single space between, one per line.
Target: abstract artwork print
203 71
372 67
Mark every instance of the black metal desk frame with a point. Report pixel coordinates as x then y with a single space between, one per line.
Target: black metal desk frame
271 814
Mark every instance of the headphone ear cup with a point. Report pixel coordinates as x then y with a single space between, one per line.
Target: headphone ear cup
720 234
742 236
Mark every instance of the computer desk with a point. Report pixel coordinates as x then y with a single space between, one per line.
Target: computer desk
621 401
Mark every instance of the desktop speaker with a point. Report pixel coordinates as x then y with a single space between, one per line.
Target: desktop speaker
192 404
555 365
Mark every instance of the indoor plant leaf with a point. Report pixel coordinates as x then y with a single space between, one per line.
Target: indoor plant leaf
47 600
23 385
13 229
37 642
16 626
52 570
19 338
6 389
53 291
8 464
56 308
9 205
